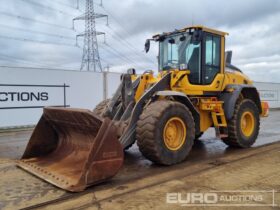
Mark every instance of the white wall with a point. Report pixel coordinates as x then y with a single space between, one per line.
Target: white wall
113 81
269 92
85 91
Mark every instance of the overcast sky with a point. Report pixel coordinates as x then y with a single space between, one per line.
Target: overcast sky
253 25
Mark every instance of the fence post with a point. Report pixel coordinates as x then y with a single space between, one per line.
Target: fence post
105 85
64 93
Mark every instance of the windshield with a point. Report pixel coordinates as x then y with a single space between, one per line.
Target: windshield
179 52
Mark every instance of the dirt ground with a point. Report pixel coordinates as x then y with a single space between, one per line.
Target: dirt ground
252 173
212 169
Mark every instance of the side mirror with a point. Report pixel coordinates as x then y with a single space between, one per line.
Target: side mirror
147 45
228 56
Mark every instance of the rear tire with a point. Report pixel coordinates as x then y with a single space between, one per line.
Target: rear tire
243 128
165 132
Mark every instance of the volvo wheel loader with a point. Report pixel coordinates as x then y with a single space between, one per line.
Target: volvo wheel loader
196 88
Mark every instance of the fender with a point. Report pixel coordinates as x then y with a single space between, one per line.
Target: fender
184 99
230 98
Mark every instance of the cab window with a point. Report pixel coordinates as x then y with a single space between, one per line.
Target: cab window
193 58
212 58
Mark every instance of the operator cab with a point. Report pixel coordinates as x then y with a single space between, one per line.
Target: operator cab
197 49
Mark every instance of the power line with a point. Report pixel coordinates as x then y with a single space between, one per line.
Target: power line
122 60
122 56
116 20
123 39
36 41
62 3
37 32
106 61
46 7
109 48
115 55
21 60
42 68
34 20
130 48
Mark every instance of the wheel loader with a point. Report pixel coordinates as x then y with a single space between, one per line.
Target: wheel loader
196 88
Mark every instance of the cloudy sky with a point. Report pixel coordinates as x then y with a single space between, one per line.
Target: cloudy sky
39 33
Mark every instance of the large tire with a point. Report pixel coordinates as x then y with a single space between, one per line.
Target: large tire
101 107
152 132
240 134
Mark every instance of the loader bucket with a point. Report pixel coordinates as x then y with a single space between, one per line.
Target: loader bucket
73 149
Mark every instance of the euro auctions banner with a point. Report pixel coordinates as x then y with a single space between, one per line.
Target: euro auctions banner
269 95
19 96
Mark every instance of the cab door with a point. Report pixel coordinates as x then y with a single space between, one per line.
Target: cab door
211 58
211 69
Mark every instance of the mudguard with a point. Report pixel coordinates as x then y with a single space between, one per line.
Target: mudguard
184 99
230 97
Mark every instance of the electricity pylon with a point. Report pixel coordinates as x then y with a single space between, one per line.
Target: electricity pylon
90 59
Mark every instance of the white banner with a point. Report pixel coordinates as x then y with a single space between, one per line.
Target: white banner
16 96
24 92
269 95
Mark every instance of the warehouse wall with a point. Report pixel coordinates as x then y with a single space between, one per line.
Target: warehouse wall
269 92
20 102
23 92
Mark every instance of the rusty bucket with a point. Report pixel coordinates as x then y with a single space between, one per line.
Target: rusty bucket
73 149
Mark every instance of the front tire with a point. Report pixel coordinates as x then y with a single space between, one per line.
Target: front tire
165 132
243 128
101 107
100 111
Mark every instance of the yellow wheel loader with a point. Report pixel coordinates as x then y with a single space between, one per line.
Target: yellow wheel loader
196 88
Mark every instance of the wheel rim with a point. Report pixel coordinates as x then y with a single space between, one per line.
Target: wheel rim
247 123
174 133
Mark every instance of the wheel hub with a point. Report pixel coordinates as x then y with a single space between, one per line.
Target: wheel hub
174 133
247 123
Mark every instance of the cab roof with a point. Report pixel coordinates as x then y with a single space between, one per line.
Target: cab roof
203 28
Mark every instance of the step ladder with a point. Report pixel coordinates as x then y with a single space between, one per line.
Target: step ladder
215 107
220 123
